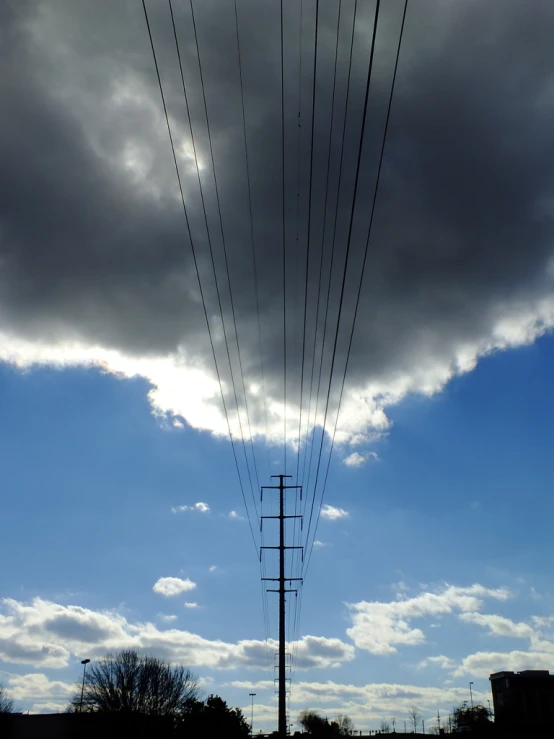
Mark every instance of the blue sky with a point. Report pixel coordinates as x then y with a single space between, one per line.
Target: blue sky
124 520
459 496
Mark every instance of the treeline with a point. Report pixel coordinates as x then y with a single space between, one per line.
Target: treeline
132 684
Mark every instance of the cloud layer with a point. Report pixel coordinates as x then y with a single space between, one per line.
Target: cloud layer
380 628
96 264
46 634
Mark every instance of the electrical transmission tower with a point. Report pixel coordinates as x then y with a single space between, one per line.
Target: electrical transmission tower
282 590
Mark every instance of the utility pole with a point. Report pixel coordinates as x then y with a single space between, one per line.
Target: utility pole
282 590
439 721
84 662
252 722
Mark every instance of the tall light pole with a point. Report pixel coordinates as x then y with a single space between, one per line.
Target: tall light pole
471 694
252 722
84 662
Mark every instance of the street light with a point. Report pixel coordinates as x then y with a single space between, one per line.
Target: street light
84 662
252 723
471 694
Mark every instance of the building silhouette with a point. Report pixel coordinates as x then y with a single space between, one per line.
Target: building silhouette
523 699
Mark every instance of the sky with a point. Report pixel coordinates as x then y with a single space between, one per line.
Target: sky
126 524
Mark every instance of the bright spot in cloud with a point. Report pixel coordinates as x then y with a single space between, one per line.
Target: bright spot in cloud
170 586
191 605
235 516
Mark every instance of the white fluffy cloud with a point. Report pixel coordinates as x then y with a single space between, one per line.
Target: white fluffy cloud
235 516
47 634
200 507
372 701
498 625
171 586
380 627
538 632
445 663
482 664
331 513
190 605
37 686
358 460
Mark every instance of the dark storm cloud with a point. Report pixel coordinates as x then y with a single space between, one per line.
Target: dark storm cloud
92 235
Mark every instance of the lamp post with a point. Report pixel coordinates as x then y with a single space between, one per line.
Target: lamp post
471 694
84 662
252 722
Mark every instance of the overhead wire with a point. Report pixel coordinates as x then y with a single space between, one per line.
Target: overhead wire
297 532
333 245
364 263
197 270
348 247
284 242
298 599
298 151
309 233
327 179
224 245
251 219
265 603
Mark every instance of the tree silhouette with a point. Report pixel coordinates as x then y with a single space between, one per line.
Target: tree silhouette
6 703
131 683
314 724
414 717
212 718
476 717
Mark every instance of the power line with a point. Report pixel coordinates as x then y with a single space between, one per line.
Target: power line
348 245
308 238
323 247
298 149
366 251
195 260
333 246
265 603
224 244
284 242
252 238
